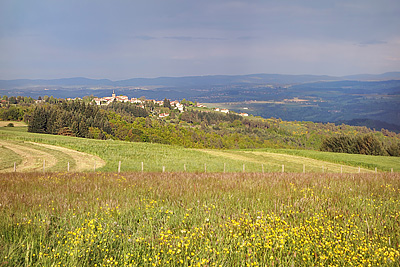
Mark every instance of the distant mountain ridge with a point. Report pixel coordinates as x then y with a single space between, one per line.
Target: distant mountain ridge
374 77
208 80
369 99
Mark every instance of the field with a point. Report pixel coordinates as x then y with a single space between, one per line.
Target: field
199 219
16 123
28 150
193 214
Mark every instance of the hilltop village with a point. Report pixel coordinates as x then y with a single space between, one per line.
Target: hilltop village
138 101
141 102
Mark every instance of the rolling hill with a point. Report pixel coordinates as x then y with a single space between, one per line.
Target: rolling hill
29 150
327 98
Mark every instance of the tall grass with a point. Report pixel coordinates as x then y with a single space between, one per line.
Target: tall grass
199 219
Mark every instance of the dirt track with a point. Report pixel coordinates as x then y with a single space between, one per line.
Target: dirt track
32 159
84 161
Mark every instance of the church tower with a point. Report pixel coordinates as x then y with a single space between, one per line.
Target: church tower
113 95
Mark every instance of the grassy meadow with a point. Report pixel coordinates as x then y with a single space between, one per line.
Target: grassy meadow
383 163
199 219
156 157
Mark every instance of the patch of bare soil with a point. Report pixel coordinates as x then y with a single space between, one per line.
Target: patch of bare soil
16 123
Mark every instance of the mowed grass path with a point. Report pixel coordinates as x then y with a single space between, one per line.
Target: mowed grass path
8 157
157 157
30 156
272 162
381 162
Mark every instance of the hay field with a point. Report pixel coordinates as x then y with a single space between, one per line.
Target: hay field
105 155
199 219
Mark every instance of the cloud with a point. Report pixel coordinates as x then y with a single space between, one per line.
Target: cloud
180 38
125 39
190 38
144 37
371 42
246 38
393 58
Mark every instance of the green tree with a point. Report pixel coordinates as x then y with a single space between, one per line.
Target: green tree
167 103
12 100
38 120
394 149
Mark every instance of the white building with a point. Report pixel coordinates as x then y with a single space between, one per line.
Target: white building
109 99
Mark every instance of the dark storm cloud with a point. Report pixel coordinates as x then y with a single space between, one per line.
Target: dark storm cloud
123 39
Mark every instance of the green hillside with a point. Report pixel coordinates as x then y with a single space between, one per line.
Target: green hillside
184 124
156 157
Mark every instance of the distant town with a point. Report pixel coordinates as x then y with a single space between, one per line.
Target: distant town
107 100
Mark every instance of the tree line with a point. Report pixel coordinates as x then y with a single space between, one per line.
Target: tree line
365 144
196 128
74 118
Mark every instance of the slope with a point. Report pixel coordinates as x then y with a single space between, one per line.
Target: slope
157 157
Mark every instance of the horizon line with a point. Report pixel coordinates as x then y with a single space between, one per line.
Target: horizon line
205 75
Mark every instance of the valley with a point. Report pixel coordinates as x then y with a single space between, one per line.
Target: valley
372 100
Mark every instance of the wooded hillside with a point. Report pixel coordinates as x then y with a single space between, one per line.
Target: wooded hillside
198 128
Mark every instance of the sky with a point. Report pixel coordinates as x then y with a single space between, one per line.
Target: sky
122 39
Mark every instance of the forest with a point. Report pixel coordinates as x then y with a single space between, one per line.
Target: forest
193 128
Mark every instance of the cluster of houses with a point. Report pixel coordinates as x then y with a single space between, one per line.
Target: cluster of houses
120 98
175 104
224 110
123 98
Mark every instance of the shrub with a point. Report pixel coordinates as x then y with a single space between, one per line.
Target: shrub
394 150
66 131
367 145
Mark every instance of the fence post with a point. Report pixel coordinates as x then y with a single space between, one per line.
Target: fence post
94 167
184 167
68 167
163 168
359 169
262 168
341 169
205 167
119 166
244 168
44 164
142 166
283 168
323 169
304 168
376 170
224 167
391 170
15 167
